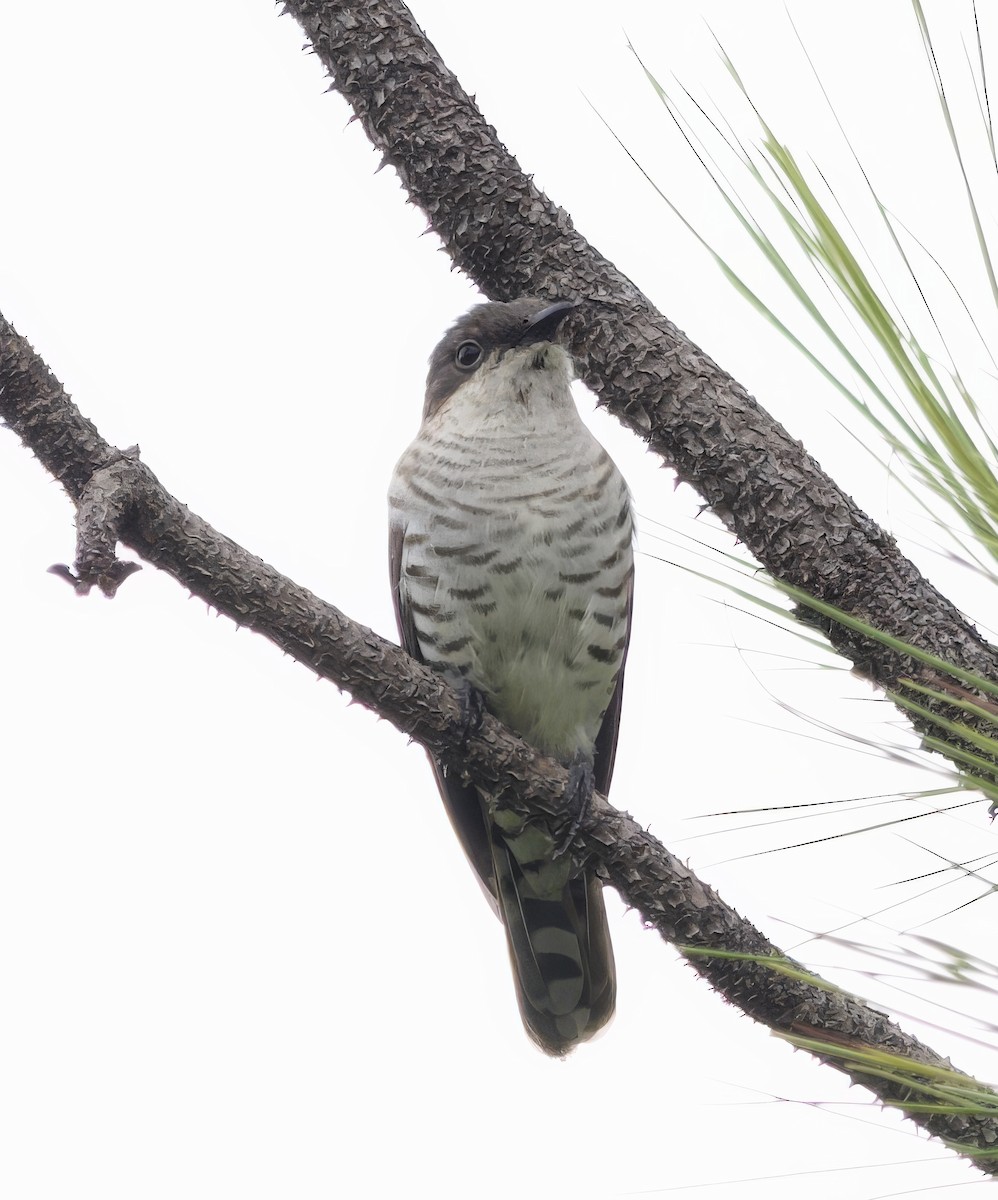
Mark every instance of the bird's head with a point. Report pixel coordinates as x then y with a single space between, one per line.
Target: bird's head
514 339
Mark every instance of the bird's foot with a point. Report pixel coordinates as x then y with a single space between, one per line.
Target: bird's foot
578 796
472 709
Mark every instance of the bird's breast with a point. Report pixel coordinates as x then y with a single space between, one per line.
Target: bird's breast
516 568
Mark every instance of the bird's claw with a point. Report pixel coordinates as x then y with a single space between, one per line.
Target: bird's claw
472 710
578 795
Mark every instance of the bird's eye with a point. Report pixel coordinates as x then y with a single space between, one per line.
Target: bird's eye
468 355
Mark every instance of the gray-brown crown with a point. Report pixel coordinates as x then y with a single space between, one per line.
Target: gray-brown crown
493 327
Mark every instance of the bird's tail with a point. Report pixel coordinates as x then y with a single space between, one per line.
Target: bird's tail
559 945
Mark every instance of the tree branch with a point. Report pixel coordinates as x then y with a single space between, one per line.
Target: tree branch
511 239
119 499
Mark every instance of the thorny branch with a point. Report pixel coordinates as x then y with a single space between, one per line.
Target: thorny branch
511 239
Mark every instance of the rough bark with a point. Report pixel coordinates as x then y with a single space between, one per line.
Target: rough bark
511 239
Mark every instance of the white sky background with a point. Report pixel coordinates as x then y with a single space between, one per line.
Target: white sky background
242 953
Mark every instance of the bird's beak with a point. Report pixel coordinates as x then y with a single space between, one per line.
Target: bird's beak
543 327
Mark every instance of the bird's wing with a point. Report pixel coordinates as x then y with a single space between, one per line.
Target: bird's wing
461 800
605 749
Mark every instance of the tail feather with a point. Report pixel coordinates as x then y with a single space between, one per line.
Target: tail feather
559 945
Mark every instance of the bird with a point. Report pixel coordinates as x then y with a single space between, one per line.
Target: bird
511 560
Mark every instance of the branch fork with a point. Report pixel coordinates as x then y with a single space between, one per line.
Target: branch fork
103 508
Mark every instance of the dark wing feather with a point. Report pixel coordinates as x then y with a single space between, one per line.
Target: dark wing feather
462 802
403 614
605 749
